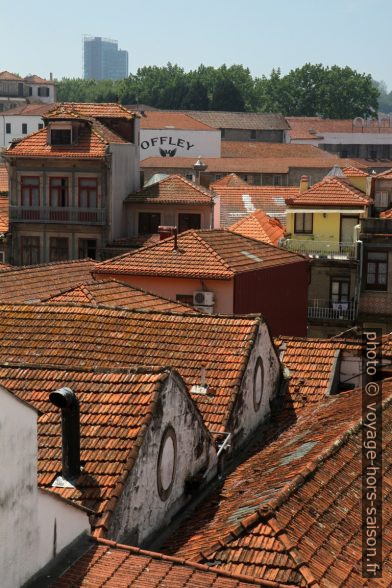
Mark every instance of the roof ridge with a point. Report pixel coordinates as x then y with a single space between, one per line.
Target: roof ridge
141 369
52 263
193 564
123 310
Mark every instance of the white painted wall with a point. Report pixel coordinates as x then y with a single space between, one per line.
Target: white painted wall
16 121
59 524
186 143
140 512
27 515
347 139
245 418
18 491
34 97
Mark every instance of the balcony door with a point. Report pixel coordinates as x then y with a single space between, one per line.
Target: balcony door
347 224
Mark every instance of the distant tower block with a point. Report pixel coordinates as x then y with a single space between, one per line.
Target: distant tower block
103 60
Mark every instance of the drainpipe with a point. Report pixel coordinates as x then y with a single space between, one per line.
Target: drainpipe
359 281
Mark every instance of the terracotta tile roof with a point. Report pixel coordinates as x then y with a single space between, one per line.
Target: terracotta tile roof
94 337
4 214
119 566
229 180
29 110
313 127
238 202
259 226
385 175
173 190
34 79
114 293
240 120
311 363
32 283
115 407
93 140
4 266
331 191
6 75
90 110
216 253
291 511
353 172
3 178
266 165
155 119
255 149
386 213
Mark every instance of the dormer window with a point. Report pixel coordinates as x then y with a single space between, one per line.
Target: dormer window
61 135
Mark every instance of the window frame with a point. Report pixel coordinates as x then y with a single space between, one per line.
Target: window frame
52 248
57 190
28 251
376 286
145 213
89 190
24 128
86 248
340 280
8 128
303 231
30 189
180 221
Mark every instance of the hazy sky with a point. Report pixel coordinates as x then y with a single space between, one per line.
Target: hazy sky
46 36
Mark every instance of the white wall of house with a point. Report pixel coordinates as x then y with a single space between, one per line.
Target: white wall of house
17 121
140 511
356 138
59 523
27 539
179 142
35 96
253 403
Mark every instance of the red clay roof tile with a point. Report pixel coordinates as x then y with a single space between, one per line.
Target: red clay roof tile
74 336
254 149
304 491
173 190
120 566
116 294
259 226
4 214
156 119
3 179
229 180
218 254
35 282
331 191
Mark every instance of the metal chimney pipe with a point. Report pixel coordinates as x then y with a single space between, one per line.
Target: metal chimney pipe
65 399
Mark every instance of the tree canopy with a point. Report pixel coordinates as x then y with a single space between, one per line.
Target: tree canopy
311 90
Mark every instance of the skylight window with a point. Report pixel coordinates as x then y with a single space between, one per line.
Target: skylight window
251 256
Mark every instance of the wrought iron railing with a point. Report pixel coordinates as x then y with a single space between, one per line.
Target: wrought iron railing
336 311
63 215
321 249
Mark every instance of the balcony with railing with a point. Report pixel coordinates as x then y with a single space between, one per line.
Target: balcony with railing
321 309
62 215
377 226
322 249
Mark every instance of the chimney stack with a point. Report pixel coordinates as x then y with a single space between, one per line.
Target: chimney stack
304 184
51 77
65 399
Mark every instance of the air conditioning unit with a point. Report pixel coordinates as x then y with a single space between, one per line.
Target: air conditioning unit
203 299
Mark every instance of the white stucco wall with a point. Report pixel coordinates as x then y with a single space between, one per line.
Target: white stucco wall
245 418
185 142
124 179
27 538
18 491
16 121
140 512
59 524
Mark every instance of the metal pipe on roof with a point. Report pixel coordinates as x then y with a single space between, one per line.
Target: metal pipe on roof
66 399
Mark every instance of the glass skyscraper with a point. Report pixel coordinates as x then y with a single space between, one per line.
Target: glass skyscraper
103 60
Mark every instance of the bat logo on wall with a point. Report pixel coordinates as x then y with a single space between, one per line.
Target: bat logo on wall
169 152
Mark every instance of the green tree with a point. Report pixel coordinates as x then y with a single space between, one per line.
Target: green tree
196 97
226 96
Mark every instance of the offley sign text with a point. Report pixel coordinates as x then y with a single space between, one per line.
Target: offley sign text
379 123
164 143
